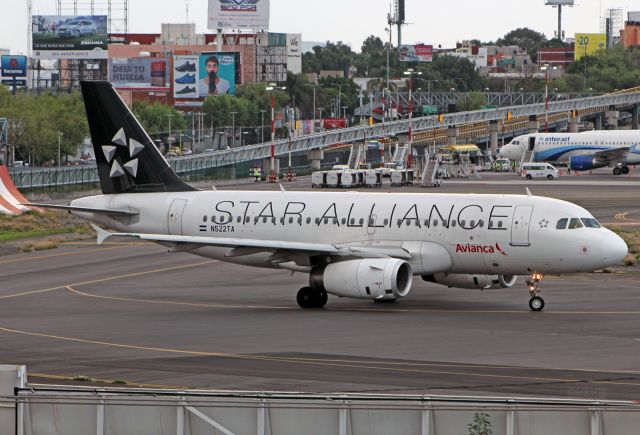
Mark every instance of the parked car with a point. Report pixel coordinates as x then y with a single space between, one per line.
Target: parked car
76 28
538 170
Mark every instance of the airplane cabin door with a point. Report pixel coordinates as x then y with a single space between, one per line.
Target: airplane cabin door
520 225
174 218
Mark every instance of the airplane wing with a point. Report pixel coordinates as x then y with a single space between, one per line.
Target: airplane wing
612 154
239 247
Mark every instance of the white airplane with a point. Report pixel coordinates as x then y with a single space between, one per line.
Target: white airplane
581 151
352 244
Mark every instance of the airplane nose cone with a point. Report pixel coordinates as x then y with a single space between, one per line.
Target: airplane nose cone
614 249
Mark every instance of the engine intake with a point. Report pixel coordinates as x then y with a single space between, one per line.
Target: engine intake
472 281
584 163
369 278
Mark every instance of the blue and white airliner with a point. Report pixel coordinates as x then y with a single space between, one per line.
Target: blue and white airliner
580 151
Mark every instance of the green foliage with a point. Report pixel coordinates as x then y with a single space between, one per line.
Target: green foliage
36 121
606 70
525 38
155 117
474 102
481 424
218 111
332 57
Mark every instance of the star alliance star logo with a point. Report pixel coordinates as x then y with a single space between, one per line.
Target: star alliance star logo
544 224
120 140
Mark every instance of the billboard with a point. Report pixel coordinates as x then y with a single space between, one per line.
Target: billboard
559 2
185 76
70 37
216 74
416 53
588 43
239 14
140 73
13 66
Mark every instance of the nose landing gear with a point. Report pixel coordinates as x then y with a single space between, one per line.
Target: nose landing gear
536 303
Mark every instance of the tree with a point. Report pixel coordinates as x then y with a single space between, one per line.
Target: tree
332 57
525 38
474 101
481 424
155 117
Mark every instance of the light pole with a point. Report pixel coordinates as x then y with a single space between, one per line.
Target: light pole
410 72
273 177
429 90
169 115
314 104
545 68
321 109
262 125
344 115
233 129
59 148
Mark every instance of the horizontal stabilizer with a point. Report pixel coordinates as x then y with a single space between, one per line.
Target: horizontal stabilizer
106 211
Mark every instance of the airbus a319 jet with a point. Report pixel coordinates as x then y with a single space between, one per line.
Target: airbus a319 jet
351 244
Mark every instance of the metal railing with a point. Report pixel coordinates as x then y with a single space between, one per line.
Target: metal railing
57 410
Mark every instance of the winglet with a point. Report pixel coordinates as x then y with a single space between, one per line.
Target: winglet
528 192
102 234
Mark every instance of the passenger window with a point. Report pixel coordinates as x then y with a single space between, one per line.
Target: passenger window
481 223
562 224
361 222
290 220
246 220
255 220
435 222
386 222
238 219
344 221
590 223
317 221
575 223
308 220
453 223
264 219
204 219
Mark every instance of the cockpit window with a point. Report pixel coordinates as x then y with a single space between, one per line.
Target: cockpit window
590 223
575 223
562 224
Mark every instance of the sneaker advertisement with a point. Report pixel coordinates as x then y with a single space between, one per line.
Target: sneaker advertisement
185 77
217 74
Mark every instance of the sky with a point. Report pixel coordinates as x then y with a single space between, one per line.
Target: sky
350 21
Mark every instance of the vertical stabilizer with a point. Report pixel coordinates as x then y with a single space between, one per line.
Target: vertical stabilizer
128 161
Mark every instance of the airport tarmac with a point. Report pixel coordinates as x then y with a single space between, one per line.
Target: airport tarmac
133 312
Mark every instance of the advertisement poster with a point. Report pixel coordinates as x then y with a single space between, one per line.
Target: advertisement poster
140 73
416 53
588 43
216 74
14 66
185 77
239 14
70 37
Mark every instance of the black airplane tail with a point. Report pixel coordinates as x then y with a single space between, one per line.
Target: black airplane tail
128 161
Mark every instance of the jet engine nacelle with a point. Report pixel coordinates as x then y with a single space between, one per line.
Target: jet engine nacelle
472 281
370 278
584 163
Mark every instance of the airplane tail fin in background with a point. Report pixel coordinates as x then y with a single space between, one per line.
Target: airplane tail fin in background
128 161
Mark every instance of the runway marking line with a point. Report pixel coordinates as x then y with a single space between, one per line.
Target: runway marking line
308 361
367 310
111 278
62 254
127 384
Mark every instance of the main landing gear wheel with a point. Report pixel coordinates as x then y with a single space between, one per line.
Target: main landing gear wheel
309 298
625 170
617 171
536 303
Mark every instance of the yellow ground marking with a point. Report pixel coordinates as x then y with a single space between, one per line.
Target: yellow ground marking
62 254
347 309
111 278
188 304
365 365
